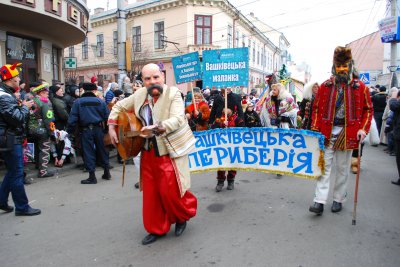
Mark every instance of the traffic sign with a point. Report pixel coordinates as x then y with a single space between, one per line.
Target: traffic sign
70 63
364 77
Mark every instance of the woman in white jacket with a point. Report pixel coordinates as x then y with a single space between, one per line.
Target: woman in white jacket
280 108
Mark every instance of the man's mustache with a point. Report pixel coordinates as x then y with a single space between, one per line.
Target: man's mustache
155 90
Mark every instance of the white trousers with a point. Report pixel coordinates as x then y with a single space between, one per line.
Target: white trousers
339 175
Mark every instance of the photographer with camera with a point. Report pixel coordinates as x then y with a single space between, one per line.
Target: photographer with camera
13 117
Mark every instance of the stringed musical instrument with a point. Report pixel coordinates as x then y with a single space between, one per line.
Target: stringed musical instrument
129 140
128 131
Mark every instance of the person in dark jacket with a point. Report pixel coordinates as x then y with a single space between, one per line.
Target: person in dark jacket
251 118
90 113
69 96
59 107
379 103
13 117
234 104
235 115
394 104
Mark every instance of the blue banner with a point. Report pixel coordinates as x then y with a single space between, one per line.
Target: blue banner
226 67
187 67
284 151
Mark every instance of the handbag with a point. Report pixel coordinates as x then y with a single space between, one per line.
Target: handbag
180 142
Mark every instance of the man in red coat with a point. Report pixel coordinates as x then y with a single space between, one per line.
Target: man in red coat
342 113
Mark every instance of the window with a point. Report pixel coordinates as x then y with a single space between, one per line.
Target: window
136 39
115 42
237 39
56 63
202 29
159 35
229 36
244 40
85 49
71 51
258 55
254 52
100 45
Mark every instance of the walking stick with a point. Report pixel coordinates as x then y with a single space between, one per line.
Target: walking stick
356 187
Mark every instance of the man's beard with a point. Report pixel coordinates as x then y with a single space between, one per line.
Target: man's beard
155 90
342 77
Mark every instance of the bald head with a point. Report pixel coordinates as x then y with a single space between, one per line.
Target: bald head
152 75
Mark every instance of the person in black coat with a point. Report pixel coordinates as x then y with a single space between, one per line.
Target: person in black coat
235 116
394 104
379 103
251 118
234 104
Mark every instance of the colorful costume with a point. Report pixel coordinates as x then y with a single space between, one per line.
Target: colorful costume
341 110
199 122
165 181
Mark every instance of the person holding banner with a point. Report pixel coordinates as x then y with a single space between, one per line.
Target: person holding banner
342 112
198 113
165 181
226 112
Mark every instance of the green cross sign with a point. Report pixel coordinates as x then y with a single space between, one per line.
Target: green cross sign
70 62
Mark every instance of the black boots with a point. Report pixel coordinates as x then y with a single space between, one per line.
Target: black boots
179 228
29 212
6 208
336 206
317 208
219 186
150 238
231 185
91 180
396 182
107 174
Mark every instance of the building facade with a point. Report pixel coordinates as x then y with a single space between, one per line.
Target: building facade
35 33
160 30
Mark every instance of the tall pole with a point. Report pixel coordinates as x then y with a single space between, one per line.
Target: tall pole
121 28
393 45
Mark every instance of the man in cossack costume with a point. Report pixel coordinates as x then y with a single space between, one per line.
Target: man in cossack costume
342 113
165 181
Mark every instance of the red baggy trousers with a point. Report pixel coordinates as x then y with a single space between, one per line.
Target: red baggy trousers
162 203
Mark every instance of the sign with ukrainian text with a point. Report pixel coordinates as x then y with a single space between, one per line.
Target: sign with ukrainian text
389 30
187 67
226 67
282 151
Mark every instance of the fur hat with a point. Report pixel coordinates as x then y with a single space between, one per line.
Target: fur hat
9 71
342 55
89 86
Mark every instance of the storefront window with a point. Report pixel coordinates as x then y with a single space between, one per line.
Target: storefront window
20 49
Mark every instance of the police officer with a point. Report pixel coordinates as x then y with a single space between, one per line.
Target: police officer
90 113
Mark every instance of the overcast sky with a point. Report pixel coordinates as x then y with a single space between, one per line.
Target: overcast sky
313 27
